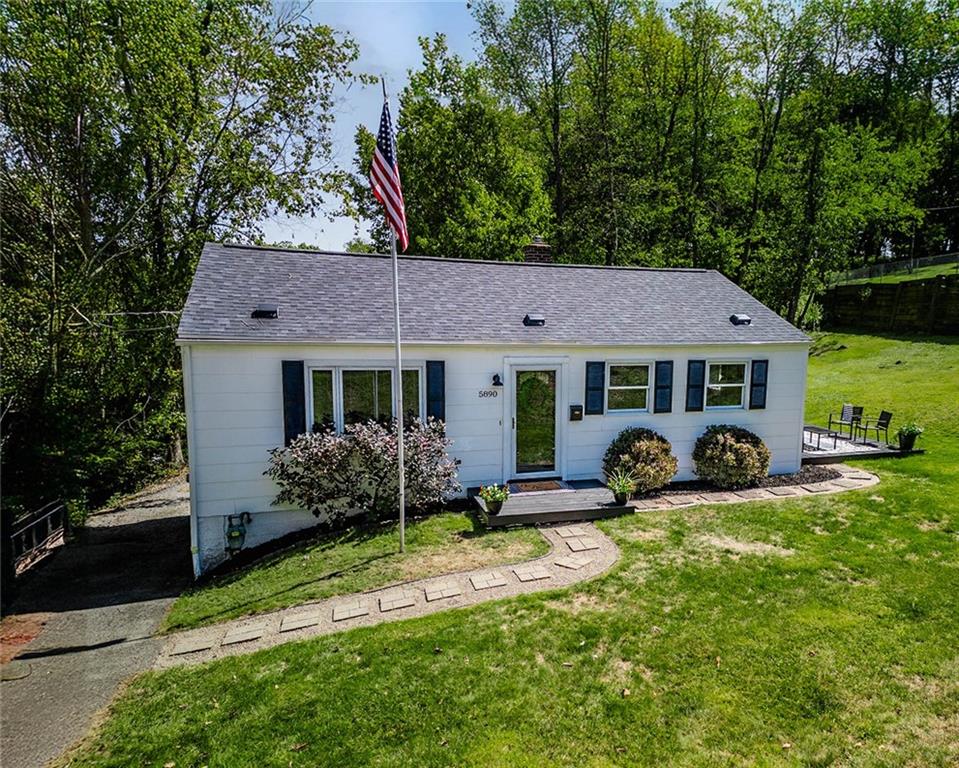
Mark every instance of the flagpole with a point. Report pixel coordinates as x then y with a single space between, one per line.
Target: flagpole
399 377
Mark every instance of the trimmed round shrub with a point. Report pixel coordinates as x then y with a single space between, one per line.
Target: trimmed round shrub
645 454
731 457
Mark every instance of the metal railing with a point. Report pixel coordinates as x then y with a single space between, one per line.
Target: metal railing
34 534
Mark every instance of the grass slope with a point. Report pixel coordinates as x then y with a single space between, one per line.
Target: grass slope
352 561
920 273
814 632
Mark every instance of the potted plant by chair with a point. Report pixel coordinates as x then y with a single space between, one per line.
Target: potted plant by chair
907 435
622 484
493 497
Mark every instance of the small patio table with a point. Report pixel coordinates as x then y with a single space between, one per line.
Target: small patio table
819 432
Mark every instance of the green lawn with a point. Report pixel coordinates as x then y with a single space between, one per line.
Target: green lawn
352 561
921 273
812 632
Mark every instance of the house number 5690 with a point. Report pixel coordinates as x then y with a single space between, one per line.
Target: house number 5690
488 393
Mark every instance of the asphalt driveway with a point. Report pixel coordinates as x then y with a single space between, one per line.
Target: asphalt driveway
101 599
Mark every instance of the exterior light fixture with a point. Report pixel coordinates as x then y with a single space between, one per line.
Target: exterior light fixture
497 380
236 532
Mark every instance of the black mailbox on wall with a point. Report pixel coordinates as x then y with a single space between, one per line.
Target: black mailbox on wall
576 413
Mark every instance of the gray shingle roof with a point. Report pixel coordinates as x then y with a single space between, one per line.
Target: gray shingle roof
336 297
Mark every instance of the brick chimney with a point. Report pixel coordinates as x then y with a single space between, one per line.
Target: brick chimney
537 252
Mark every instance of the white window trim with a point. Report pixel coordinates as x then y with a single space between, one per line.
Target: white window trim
337 369
649 386
744 387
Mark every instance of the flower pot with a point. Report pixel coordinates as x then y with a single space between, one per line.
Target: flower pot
621 498
494 507
907 442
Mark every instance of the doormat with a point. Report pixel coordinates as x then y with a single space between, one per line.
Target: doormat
533 486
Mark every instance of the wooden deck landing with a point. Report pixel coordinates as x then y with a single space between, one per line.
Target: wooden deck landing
554 507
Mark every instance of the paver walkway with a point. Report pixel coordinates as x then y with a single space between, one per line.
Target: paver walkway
577 552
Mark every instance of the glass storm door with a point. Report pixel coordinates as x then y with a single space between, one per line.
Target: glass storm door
535 393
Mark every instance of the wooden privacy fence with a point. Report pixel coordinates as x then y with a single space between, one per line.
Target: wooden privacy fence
924 306
29 537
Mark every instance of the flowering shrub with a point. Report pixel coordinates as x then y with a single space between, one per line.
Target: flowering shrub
731 457
333 474
646 455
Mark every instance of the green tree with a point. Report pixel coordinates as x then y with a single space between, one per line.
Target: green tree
132 132
471 189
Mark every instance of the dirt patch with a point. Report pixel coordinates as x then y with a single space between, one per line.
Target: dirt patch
739 547
465 556
580 603
17 631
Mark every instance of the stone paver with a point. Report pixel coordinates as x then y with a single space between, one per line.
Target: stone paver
679 499
785 490
588 553
351 609
713 497
752 493
300 621
442 591
573 562
243 634
844 483
192 645
391 601
582 544
488 580
531 572
571 531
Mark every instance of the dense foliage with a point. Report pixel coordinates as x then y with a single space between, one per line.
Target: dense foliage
332 474
132 132
731 457
646 455
773 141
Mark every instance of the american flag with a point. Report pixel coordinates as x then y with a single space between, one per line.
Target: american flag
385 179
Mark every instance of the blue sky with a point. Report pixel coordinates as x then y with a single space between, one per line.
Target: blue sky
386 33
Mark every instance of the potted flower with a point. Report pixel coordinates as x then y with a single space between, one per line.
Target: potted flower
622 484
907 435
494 496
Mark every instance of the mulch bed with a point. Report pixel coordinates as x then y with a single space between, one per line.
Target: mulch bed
810 473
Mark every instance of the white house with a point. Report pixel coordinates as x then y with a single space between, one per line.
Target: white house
275 341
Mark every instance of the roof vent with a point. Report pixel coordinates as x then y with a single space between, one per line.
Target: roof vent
740 319
534 320
265 312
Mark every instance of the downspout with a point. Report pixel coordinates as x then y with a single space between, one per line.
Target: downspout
187 360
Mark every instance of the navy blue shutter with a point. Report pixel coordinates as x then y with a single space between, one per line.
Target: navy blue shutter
595 387
663 402
436 389
294 400
695 384
757 384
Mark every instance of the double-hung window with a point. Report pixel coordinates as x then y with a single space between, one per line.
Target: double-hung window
725 385
350 395
628 387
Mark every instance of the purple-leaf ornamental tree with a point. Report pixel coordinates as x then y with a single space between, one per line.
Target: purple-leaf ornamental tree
335 474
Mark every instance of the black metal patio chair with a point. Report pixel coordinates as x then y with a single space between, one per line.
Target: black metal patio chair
849 416
880 424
